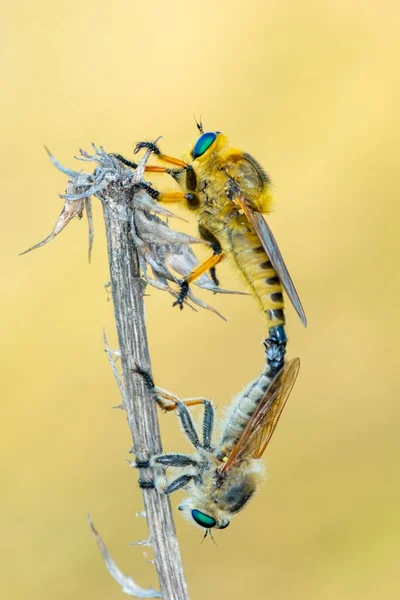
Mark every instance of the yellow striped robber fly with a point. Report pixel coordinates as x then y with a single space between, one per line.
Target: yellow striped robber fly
229 191
221 477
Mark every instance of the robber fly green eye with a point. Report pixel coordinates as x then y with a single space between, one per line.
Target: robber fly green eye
203 143
203 520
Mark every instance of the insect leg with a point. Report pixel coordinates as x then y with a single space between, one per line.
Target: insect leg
148 168
146 485
208 423
178 484
188 425
147 378
164 487
173 196
205 266
160 482
176 173
163 157
174 460
169 402
168 196
213 276
166 400
207 235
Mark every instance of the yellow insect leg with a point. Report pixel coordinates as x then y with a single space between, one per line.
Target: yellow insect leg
171 196
205 266
156 169
168 401
172 161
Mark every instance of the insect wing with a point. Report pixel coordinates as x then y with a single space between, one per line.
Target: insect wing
258 431
269 419
270 246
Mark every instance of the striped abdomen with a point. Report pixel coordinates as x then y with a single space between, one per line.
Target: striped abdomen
244 405
253 262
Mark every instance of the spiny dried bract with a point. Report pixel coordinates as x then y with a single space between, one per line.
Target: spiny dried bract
84 185
77 200
71 209
166 251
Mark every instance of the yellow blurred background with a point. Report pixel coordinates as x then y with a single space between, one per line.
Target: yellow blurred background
311 89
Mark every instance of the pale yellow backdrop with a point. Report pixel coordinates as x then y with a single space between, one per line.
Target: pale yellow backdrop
311 89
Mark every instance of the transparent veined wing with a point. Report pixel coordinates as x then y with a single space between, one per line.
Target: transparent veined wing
270 246
258 431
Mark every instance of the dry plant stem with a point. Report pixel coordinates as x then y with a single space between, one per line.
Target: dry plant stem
127 291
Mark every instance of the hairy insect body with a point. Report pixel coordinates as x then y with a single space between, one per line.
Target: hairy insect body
242 409
221 218
221 477
261 278
222 503
224 499
229 191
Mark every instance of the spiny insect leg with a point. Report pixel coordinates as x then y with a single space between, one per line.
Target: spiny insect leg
152 192
165 196
182 294
168 401
163 157
165 399
147 378
208 264
125 161
174 460
188 425
149 168
211 262
165 487
149 145
178 484
208 423
207 235
213 276
166 460
146 485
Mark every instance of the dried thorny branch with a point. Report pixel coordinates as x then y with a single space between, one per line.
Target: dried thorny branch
127 584
138 239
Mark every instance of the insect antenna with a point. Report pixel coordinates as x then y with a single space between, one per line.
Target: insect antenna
211 536
199 125
208 531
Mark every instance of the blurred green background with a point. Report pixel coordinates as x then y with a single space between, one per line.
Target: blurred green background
311 89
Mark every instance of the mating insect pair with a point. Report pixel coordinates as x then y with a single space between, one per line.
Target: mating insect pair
228 190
